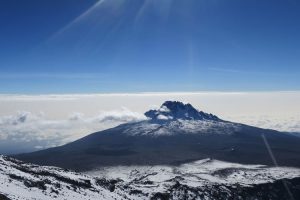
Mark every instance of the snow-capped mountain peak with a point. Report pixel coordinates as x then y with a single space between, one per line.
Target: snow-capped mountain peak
173 110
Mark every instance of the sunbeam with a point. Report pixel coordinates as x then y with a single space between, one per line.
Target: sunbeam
77 19
162 8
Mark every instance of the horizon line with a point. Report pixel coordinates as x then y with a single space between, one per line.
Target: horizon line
153 92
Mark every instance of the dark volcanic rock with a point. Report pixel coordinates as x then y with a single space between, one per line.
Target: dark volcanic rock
3 197
177 110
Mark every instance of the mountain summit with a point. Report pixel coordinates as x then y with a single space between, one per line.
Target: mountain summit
175 133
172 110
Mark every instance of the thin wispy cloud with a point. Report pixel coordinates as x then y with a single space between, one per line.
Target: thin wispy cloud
241 71
52 75
227 70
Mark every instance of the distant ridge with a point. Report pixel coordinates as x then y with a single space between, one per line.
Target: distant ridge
173 134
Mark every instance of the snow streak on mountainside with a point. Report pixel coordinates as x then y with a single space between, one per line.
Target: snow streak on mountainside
204 179
179 126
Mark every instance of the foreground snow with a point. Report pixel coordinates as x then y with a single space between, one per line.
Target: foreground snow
203 179
195 174
25 181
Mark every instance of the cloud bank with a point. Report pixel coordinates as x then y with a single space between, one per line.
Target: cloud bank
26 131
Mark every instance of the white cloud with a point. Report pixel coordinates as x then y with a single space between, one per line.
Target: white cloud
164 109
280 123
162 117
124 115
25 127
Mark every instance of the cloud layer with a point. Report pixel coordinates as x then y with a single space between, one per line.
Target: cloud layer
26 131
285 124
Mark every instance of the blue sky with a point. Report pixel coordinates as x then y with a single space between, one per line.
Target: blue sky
75 46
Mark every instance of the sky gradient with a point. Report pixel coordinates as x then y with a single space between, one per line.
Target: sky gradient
74 46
